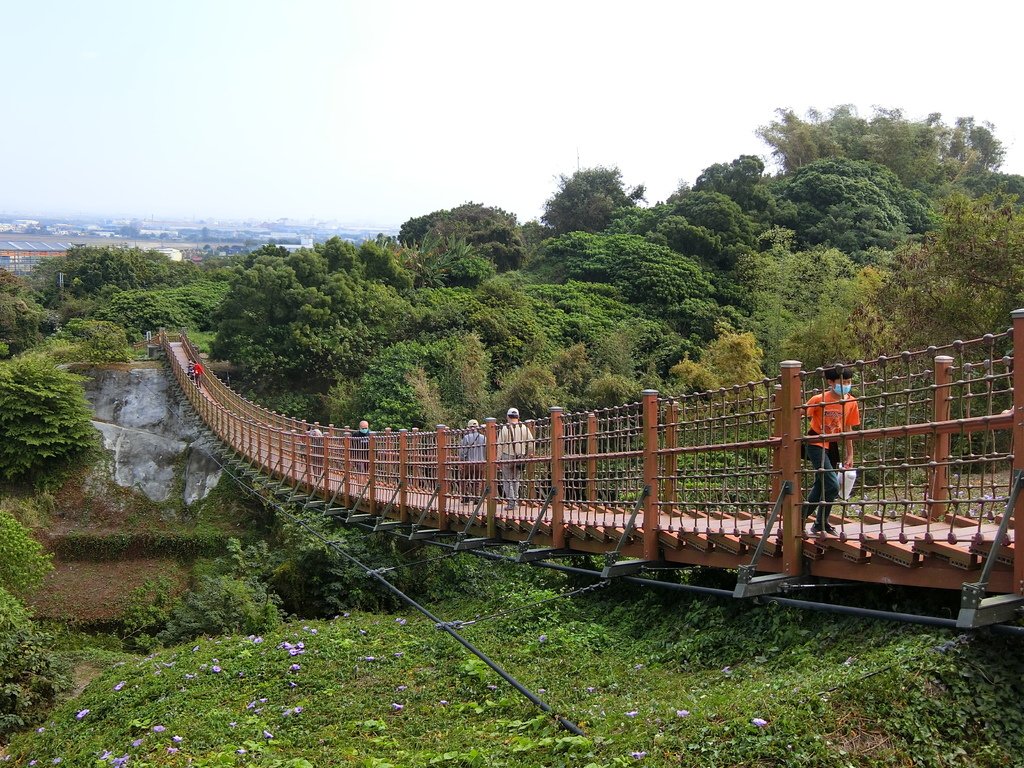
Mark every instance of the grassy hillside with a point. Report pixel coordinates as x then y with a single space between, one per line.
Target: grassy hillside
652 679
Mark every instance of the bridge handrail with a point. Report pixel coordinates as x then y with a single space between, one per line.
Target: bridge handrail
934 453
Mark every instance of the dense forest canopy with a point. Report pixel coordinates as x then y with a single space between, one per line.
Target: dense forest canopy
873 234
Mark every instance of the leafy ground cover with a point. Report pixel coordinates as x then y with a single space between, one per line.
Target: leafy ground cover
652 681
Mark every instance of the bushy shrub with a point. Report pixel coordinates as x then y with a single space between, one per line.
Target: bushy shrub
222 604
30 676
22 560
44 418
91 341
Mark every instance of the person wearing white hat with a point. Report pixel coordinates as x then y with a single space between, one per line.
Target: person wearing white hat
472 454
515 446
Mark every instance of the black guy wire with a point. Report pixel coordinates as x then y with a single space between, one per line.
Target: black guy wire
438 622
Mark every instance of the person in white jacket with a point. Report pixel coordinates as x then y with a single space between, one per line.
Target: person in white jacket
515 446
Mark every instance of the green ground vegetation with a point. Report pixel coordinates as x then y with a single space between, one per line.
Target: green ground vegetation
652 679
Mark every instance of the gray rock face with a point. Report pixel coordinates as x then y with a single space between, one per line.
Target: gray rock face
146 431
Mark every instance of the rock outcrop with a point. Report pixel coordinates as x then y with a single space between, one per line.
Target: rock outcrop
148 432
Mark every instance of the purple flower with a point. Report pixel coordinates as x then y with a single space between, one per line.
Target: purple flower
362 631
493 687
292 684
171 750
298 710
542 690
158 729
591 689
295 651
215 669
295 667
57 760
638 755
397 707
81 714
345 615
177 739
542 639
240 751
189 676
682 713
401 622
286 646
119 686
267 734
638 666
40 729
759 722
726 670
632 713
233 724
119 761
251 705
443 702
137 743
399 654
107 754
195 649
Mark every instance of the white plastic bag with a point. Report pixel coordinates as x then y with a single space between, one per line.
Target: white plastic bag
847 479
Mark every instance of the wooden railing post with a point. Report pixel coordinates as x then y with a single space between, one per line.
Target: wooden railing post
1018 449
442 477
346 468
371 468
592 457
403 475
938 482
651 522
557 434
491 474
671 459
790 431
776 405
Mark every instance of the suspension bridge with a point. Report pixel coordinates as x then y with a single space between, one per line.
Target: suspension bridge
712 479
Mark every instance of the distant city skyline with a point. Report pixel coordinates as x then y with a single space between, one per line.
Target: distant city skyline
371 114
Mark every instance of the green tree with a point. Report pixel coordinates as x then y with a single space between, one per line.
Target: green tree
289 319
586 201
20 316
743 181
852 205
966 277
492 234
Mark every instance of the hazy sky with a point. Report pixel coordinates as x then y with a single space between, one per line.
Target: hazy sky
375 111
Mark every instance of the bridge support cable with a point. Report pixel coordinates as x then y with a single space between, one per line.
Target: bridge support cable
439 623
975 609
747 583
785 602
613 567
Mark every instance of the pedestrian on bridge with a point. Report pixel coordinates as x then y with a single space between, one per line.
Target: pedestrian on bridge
833 412
198 372
515 446
472 454
361 448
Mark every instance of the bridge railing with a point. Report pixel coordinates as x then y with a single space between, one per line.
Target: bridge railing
934 454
